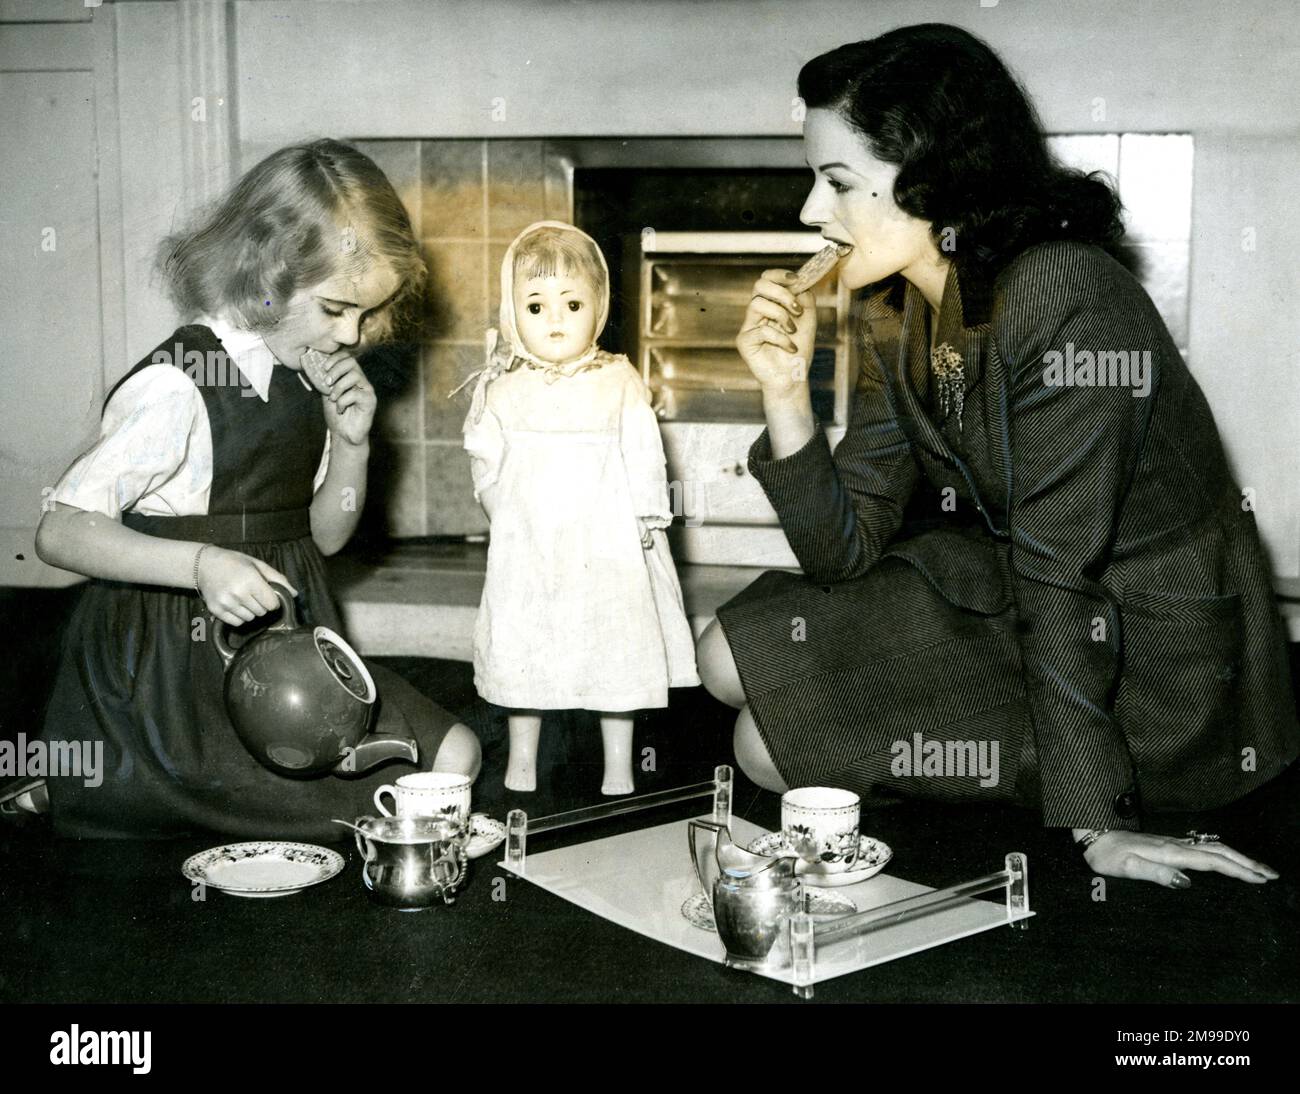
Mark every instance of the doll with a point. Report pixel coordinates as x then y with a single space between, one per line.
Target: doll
581 606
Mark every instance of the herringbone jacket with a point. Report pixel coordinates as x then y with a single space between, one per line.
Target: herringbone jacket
1104 517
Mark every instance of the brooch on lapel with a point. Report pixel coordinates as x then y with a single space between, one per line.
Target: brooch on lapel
946 363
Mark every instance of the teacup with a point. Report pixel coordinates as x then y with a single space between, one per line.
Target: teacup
821 823
428 794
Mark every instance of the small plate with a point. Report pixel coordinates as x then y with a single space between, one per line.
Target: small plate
485 834
699 912
872 858
263 869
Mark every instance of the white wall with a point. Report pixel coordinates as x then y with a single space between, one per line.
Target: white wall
1245 301
139 159
675 67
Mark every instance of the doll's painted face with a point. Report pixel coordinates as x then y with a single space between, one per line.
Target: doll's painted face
852 201
329 316
555 316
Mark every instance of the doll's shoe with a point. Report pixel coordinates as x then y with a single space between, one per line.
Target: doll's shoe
23 796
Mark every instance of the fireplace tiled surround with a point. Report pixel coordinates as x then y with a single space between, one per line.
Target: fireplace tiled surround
467 200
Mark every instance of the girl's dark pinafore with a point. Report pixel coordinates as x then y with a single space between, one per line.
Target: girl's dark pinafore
140 674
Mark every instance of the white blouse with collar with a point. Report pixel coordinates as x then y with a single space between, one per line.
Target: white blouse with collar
154 453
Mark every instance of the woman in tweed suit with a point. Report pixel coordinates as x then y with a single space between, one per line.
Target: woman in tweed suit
1028 548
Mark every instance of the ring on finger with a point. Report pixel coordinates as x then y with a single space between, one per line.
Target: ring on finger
1194 836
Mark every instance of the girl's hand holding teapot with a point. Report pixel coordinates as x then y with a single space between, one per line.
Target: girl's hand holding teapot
236 587
776 337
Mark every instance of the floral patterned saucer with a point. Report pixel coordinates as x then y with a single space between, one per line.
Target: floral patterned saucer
266 868
872 858
484 835
699 912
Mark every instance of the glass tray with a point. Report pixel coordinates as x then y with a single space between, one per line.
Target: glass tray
640 880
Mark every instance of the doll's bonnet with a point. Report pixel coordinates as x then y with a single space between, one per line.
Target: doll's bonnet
505 347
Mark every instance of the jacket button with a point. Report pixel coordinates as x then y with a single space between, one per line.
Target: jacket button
1126 804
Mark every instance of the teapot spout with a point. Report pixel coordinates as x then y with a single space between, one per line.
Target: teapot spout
377 749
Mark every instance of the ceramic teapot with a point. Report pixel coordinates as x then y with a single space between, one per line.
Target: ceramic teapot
301 699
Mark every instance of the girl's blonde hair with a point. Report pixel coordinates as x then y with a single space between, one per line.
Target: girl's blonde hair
305 214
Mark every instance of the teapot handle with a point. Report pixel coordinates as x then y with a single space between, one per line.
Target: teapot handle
288 621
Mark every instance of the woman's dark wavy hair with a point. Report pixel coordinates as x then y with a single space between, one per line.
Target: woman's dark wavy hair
940 104
305 214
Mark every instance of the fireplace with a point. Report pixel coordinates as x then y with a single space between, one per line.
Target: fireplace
659 202
688 225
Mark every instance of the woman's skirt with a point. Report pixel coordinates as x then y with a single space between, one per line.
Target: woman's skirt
140 682
882 686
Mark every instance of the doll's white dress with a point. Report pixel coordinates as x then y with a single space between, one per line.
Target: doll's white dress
576 613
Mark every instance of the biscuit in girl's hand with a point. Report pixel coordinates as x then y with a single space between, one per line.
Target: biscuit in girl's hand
314 363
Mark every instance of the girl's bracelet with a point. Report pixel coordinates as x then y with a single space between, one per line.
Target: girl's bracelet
198 555
1090 837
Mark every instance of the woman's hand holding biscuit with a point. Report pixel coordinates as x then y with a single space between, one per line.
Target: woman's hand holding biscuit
776 337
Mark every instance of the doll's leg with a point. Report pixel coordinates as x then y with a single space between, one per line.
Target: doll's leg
525 731
616 734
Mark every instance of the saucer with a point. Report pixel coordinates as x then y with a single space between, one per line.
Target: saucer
266 868
699 912
872 858
485 834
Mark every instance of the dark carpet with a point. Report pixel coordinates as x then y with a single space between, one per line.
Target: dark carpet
115 921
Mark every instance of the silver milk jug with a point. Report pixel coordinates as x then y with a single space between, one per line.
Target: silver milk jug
754 896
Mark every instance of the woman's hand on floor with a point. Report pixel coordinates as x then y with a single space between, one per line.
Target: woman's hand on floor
1162 859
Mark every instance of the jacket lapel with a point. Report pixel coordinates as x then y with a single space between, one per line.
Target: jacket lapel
958 331
962 325
912 371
